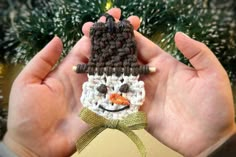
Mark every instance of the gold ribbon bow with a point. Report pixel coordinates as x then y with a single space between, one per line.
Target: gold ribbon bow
98 123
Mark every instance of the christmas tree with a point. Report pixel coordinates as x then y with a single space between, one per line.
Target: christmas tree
3 121
27 27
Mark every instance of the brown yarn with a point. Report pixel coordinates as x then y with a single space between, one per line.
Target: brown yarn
115 46
109 71
113 50
81 68
118 71
124 88
102 89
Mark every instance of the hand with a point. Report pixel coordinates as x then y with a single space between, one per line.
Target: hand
44 105
45 102
190 109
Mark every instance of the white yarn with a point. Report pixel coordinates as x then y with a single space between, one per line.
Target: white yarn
91 98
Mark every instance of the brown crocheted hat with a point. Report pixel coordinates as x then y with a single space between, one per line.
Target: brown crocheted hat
113 50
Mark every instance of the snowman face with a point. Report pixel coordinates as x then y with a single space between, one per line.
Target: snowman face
113 97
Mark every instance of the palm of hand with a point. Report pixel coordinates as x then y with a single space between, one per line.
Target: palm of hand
182 107
46 111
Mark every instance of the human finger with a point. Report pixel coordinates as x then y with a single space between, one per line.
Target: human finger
86 28
115 12
135 21
147 50
199 55
43 62
80 52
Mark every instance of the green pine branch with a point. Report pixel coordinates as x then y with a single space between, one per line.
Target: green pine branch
209 21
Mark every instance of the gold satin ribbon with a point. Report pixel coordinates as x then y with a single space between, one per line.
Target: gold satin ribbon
98 123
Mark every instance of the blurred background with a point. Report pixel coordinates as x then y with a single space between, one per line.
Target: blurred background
27 25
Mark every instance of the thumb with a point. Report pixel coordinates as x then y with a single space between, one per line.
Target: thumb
199 55
42 63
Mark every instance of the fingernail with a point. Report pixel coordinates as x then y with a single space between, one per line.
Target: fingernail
112 10
102 19
185 35
55 36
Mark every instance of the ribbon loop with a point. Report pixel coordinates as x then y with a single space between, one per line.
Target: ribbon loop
132 122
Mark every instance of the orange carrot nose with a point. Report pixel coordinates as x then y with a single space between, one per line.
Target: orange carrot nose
118 99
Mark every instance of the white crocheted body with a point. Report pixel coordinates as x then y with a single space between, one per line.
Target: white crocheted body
101 104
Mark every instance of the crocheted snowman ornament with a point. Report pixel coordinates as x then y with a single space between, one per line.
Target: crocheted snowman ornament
113 92
113 97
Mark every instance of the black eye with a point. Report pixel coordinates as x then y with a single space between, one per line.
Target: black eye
124 88
102 89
